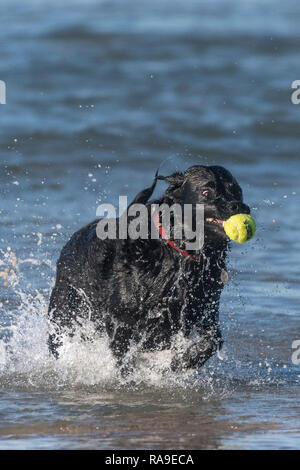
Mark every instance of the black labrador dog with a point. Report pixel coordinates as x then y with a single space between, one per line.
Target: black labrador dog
146 291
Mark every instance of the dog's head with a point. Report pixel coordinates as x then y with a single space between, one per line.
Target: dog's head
215 188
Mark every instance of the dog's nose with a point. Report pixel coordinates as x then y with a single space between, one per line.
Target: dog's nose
239 207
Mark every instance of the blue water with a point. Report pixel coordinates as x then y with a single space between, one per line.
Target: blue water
99 94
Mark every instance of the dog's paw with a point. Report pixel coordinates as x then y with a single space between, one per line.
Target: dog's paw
197 354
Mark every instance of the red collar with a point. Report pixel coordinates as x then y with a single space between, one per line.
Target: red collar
162 232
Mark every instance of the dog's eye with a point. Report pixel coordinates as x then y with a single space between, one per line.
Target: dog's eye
207 193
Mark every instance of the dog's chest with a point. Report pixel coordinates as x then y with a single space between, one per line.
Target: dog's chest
187 283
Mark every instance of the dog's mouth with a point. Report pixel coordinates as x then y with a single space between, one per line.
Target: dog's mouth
218 222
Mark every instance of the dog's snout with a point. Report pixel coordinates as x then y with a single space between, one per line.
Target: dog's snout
245 209
239 208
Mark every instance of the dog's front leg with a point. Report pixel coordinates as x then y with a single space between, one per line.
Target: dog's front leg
120 340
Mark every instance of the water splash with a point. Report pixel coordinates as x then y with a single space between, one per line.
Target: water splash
25 361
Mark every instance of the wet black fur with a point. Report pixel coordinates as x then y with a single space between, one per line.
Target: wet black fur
144 291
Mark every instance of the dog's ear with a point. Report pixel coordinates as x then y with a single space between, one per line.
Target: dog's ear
143 196
175 184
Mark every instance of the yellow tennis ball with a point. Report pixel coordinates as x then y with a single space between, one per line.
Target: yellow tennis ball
240 228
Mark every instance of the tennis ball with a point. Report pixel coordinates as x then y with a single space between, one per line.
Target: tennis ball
240 228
